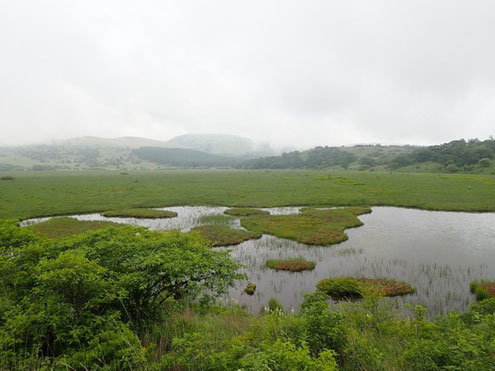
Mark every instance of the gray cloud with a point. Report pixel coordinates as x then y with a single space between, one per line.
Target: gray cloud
291 72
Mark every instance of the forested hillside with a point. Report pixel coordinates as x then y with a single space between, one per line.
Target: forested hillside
181 157
457 156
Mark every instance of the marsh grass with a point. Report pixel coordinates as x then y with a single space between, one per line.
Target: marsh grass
311 226
245 211
216 219
36 194
223 235
291 264
65 226
140 213
348 288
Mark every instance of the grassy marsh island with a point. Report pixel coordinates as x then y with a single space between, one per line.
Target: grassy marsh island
356 288
140 213
291 264
223 235
245 211
311 226
65 226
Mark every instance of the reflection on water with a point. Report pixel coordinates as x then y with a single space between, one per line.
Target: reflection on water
439 253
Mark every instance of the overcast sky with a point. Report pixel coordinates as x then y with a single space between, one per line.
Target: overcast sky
295 73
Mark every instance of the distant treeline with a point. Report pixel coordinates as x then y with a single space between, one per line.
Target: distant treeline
457 155
319 157
181 157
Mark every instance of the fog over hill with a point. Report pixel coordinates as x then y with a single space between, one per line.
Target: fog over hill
91 152
221 144
121 142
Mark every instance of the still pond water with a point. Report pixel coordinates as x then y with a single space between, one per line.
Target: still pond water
439 253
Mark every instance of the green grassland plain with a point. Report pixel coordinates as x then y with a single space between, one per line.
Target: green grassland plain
33 194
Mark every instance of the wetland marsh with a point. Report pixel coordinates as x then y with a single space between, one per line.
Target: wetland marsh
438 253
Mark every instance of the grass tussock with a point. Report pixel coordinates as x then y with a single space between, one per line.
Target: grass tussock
63 227
483 289
250 289
291 265
311 226
245 211
140 213
223 235
348 288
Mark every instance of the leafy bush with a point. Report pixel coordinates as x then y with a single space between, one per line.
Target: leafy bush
75 300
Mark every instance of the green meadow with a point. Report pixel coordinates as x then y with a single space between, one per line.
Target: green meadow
32 194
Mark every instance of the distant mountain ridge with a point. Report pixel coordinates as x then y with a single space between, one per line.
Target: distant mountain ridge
221 144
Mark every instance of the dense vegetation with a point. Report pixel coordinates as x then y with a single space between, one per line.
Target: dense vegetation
311 226
181 157
55 193
140 213
319 157
85 302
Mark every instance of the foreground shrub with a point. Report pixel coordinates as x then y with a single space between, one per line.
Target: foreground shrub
274 341
75 300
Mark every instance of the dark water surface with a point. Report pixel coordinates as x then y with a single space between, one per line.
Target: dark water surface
438 253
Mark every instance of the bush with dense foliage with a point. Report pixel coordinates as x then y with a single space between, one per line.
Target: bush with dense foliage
81 301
